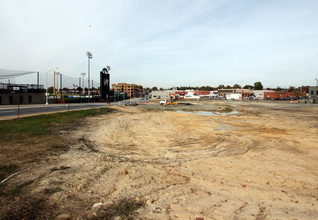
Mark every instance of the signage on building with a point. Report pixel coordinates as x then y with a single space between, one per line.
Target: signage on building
104 84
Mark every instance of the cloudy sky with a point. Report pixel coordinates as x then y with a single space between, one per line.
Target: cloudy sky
164 43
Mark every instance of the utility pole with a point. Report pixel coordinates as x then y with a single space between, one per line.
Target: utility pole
61 84
38 78
89 56
316 89
57 81
61 81
47 92
54 83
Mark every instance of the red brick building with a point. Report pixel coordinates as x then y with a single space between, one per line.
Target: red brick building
283 95
132 90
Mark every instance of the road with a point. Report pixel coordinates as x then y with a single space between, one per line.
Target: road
15 111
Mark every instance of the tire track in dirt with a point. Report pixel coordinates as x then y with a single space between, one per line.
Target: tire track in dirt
182 166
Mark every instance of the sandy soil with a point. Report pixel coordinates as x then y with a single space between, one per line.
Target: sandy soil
259 164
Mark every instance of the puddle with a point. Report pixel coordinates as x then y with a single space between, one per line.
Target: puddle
205 113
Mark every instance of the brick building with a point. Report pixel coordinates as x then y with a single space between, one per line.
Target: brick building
132 90
283 95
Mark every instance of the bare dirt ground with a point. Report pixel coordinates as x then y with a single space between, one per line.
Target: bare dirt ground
147 163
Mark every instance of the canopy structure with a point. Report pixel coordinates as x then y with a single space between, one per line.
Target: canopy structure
7 74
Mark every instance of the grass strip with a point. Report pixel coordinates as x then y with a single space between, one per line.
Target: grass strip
40 125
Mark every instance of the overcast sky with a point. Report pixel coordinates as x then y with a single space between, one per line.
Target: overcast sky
164 43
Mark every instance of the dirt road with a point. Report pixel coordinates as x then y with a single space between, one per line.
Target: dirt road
151 164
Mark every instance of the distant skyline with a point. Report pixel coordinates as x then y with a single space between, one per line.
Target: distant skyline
163 43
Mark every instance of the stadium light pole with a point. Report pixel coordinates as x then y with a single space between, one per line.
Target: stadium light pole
47 94
57 82
89 56
316 88
83 86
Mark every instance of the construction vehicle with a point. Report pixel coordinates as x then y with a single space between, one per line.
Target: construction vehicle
172 101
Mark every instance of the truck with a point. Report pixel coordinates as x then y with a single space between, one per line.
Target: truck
234 96
172 101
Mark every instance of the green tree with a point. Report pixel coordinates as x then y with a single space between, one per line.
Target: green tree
258 86
50 89
79 89
291 89
248 87
154 88
221 86
206 88
237 86
228 87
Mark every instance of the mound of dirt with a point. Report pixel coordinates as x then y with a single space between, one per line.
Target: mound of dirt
153 164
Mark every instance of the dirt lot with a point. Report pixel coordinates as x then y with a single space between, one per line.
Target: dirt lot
151 162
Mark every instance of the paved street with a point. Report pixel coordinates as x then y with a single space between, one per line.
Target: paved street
14 111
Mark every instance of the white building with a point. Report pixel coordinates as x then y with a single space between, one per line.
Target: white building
259 94
190 95
162 94
234 96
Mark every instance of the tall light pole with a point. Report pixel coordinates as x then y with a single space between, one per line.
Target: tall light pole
89 56
83 74
316 88
47 93
57 81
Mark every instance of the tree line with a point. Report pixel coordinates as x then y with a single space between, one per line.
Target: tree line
256 86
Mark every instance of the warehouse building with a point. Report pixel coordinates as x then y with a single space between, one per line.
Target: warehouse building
14 94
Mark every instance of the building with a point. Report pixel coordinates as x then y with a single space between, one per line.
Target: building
313 91
245 93
132 90
14 94
303 89
225 92
234 96
162 94
283 95
259 94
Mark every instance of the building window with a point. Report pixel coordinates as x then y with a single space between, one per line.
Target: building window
30 99
312 92
0 100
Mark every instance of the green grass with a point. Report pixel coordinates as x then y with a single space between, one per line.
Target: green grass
40 125
227 110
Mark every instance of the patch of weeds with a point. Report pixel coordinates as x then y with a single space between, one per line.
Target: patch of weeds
124 209
18 191
52 190
5 171
227 110
60 148
28 207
